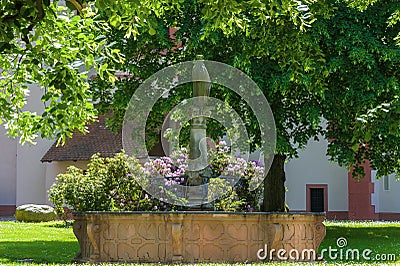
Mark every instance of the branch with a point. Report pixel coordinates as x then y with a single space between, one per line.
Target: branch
77 5
39 6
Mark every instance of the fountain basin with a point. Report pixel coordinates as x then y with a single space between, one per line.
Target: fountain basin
190 237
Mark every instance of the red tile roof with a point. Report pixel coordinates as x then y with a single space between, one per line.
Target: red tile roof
100 139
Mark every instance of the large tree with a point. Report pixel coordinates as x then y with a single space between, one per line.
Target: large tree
339 69
282 59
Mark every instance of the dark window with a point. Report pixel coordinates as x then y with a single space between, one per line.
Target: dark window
386 183
317 199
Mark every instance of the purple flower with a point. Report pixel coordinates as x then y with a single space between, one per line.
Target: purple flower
222 143
258 163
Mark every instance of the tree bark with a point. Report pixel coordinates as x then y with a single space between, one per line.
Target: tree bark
274 186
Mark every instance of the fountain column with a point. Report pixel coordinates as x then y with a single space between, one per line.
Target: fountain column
198 162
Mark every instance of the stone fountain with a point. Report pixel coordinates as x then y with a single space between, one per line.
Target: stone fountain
196 236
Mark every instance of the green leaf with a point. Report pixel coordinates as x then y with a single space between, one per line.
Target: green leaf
355 147
152 31
368 136
115 20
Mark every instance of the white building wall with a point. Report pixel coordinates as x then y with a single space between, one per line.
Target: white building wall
313 167
8 169
30 171
386 201
23 177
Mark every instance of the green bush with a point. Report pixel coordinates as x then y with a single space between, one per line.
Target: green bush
108 184
246 195
230 200
236 198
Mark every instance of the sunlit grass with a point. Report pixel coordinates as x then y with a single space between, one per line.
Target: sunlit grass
381 238
48 242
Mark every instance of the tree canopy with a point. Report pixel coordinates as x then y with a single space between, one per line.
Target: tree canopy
363 86
339 69
49 46
44 43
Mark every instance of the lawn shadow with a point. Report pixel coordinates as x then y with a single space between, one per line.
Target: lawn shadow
38 251
65 224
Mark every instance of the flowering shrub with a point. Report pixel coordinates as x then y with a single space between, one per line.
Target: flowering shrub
173 166
223 166
245 196
108 184
166 174
115 184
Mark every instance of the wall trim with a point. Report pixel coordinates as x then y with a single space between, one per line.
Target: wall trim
390 216
7 210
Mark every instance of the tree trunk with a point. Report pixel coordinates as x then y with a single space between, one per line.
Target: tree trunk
274 185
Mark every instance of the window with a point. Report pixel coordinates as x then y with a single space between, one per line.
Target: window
386 183
316 197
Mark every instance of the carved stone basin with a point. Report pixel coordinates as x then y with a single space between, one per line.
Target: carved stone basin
194 236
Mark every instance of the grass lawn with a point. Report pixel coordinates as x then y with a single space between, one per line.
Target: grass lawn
43 242
381 238
53 244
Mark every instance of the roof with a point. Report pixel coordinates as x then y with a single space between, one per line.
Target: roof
99 139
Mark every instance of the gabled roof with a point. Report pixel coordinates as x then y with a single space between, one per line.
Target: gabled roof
100 139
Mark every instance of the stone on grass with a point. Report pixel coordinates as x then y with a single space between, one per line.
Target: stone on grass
35 213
